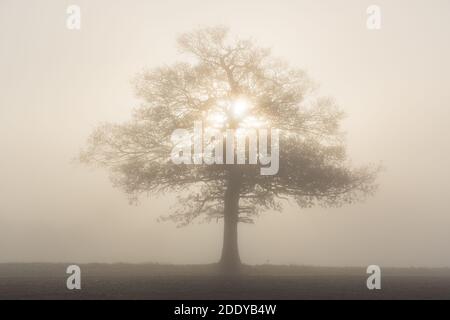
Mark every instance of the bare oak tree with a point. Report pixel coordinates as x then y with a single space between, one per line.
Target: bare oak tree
314 169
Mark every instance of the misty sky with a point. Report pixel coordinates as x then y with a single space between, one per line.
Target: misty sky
57 85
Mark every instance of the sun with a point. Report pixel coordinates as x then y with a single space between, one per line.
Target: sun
240 110
240 107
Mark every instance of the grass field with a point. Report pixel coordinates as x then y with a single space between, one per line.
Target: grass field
268 282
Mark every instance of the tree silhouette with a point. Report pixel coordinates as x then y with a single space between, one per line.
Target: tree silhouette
313 167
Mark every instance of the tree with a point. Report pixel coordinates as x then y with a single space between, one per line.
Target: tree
313 166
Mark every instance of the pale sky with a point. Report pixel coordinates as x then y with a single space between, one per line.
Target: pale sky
57 85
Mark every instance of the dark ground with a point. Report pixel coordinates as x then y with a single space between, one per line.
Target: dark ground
152 281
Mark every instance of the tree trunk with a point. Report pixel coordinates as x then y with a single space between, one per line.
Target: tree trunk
230 261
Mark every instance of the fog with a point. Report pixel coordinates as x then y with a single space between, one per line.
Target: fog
57 85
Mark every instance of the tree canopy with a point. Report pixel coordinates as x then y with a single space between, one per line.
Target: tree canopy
218 69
